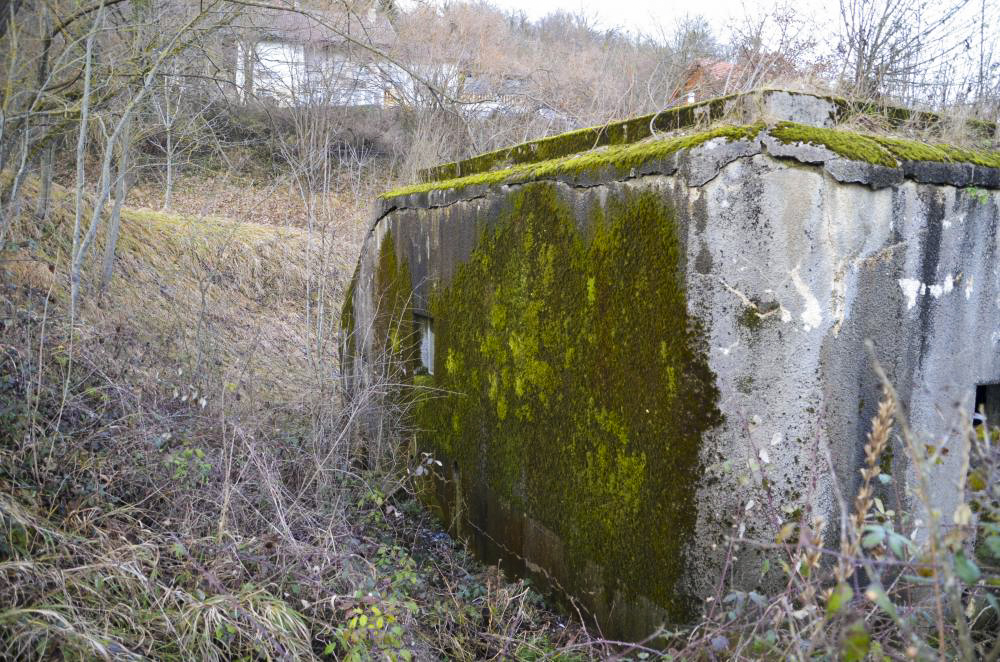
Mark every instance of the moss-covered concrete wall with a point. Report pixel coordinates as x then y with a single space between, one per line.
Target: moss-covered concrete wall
564 349
640 357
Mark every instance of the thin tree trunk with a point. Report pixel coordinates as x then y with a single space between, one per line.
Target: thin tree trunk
13 197
47 160
81 150
114 224
46 167
248 62
8 9
168 193
103 189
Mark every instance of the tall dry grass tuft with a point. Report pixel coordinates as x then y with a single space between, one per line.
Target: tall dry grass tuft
155 454
878 441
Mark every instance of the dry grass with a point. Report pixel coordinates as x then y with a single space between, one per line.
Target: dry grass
906 583
266 201
195 360
179 478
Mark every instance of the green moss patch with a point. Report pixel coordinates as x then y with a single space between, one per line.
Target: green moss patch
850 145
909 150
394 327
880 150
620 159
685 117
578 387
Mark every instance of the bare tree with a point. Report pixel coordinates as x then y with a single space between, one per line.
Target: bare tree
889 46
160 55
775 45
181 118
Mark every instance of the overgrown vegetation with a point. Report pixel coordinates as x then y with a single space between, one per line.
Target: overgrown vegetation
907 581
194 490
881 149
179 474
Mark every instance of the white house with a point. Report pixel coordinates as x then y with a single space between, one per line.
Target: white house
296 59
296 73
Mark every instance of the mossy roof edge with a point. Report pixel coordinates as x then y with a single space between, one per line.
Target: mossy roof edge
874 149
580 140
619 158
881 150
898 116
673 119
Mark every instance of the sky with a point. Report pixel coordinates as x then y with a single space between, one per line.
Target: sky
657 18
637 16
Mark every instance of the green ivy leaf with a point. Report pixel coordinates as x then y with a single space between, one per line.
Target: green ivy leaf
966 569
897 542
993 546
840 597
877 594
857 642
874 537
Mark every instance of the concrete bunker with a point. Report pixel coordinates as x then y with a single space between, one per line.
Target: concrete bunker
628 328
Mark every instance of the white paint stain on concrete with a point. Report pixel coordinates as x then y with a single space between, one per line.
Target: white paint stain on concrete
944 288
968 288
911 288
812 314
